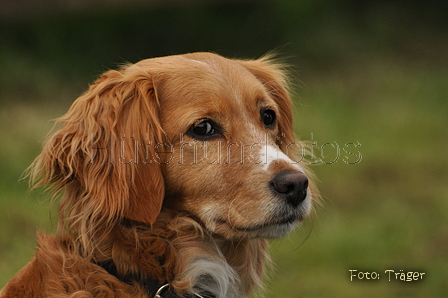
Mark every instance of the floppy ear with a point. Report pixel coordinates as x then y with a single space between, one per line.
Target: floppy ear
274 80
104 154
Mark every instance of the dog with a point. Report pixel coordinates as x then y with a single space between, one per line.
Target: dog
172 174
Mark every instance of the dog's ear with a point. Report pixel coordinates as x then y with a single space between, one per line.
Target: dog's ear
273 78
104 153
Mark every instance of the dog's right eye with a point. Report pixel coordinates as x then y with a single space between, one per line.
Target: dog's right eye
204 129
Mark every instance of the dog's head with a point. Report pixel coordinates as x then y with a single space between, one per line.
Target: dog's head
199 134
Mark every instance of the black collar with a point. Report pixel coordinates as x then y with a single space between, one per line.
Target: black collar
151 286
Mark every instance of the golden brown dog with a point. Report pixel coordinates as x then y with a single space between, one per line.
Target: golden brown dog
172 173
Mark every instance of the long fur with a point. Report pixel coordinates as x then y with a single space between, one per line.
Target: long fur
123 201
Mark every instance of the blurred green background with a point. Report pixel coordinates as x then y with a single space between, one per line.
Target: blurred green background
371 73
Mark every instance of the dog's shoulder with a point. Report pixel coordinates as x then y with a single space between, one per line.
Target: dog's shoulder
54 270
29 280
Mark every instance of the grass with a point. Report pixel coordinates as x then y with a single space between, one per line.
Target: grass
388 211
22 212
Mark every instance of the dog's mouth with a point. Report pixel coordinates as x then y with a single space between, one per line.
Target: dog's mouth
273 228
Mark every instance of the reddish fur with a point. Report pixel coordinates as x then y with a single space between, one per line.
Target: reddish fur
145 217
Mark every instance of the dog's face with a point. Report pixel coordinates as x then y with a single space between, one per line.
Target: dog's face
201 134
224 164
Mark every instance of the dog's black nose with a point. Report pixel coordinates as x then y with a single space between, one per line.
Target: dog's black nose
292 185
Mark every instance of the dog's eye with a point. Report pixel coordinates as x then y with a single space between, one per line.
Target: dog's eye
268 117
203 129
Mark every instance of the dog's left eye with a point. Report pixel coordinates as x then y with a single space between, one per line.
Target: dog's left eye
268 117
203 129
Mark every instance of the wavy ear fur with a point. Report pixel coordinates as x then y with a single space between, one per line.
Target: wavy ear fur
103 155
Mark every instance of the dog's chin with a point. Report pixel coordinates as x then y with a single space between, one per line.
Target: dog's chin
273 231
269 230
277 225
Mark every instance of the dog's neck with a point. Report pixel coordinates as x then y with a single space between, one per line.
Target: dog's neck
178 251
